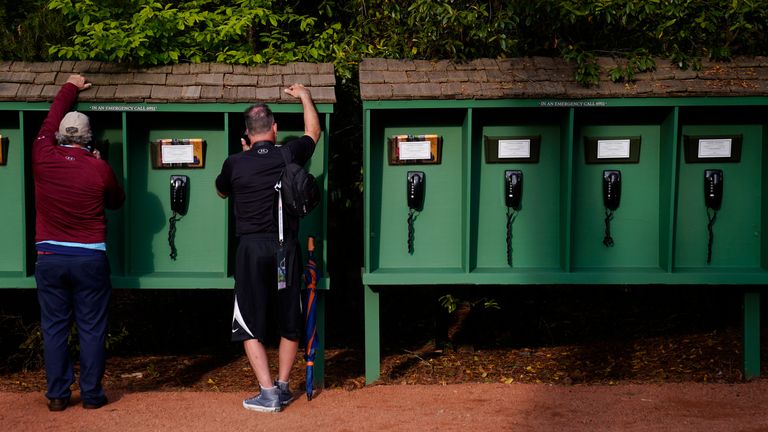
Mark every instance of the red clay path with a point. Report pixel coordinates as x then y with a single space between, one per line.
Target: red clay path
464 407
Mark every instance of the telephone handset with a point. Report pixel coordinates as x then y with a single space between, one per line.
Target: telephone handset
179 194
179 206
611 189
713 188
713 198
415 190
513 188
415 198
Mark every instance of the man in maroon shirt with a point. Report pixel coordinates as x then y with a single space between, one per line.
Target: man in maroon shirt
73 186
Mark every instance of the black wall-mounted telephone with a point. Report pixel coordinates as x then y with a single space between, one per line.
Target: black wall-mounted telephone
179 205
611 189
415 195
713 188
713 198
611 199
513 188
415 190
179 194
513 195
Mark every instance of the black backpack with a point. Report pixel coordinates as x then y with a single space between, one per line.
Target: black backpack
299 189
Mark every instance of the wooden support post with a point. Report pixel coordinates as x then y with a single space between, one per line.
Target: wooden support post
372 335
751 334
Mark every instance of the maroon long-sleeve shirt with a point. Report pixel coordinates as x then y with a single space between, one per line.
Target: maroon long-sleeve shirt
72 187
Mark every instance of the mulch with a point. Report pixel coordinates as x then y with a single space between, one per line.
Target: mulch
622 337
713 357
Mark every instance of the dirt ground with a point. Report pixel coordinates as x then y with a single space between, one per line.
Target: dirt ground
464 407
555 388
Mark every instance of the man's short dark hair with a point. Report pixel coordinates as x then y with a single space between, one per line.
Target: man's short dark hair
258 119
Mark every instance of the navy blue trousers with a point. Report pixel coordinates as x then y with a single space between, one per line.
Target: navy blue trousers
74 289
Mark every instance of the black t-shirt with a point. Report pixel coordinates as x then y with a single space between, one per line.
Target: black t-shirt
249 178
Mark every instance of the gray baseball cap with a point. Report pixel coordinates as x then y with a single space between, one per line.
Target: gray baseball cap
75 124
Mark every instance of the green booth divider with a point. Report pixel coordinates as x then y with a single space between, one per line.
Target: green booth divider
12 189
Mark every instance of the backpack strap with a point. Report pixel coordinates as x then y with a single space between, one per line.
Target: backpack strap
279 189
285 157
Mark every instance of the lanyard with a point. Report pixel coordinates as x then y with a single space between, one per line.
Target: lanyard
278 188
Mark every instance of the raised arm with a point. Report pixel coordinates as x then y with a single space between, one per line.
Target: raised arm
311 120
63 101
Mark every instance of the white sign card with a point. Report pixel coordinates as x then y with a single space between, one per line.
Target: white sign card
613 149
715 148
178 154
514 148
414 150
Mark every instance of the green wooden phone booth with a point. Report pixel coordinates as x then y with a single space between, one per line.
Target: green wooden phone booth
195 108
610 181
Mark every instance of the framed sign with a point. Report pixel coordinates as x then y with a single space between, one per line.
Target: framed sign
519 149
611 150
178 153
712 148
415 149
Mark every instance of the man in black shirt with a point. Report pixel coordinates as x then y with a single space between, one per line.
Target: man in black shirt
249 178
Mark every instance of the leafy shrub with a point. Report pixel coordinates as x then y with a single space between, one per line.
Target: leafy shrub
152 32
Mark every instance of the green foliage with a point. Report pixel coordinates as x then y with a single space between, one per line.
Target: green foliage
637 61
26 28
685 31
451 303
430 29
150 32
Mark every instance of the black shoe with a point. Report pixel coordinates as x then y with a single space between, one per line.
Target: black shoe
95 405
59 404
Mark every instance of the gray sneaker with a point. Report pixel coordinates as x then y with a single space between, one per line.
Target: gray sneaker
285 394
266 401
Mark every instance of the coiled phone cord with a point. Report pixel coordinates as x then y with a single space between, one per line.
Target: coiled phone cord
608 240
511 215
411 217
172 234
711 216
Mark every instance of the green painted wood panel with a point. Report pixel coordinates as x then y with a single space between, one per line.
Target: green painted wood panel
201 233
635 225
537 226
738 229
438 238
12 225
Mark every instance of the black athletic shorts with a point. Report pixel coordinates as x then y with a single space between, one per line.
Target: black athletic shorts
256 293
